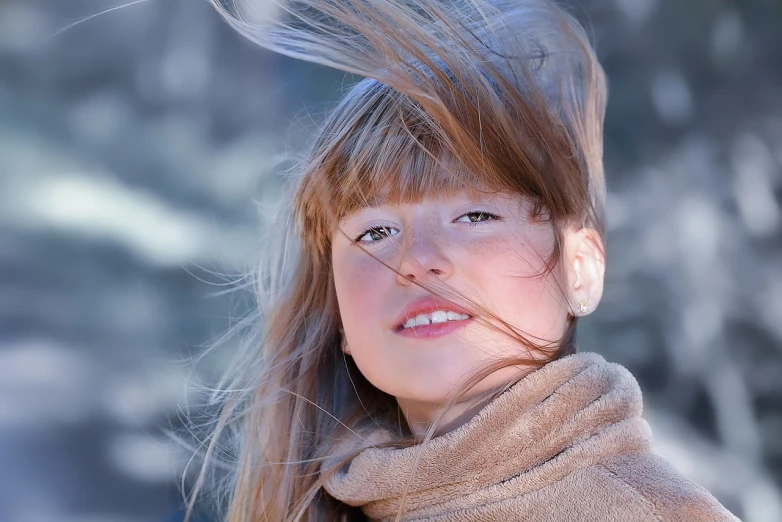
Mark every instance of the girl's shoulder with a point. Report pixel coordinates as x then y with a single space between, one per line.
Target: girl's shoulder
659 489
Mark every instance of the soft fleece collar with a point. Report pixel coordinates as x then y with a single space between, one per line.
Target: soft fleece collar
570 414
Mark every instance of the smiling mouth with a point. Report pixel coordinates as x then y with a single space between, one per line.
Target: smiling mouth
436 317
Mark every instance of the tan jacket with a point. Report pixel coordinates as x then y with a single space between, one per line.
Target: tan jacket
566 443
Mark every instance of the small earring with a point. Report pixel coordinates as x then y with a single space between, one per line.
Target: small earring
583 306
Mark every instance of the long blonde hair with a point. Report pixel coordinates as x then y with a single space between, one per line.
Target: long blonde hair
457 94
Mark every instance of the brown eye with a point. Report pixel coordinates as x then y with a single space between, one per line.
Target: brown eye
477 216
376 234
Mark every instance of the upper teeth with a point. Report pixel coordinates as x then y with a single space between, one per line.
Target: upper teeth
438 316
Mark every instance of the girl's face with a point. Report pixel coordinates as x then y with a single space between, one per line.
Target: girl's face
487 250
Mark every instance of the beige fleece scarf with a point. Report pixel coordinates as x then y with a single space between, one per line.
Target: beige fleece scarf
570 414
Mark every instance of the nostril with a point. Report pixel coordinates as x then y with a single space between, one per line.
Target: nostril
435 271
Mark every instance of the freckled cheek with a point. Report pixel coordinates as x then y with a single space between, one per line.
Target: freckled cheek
361 285
511 254
511 276
498 257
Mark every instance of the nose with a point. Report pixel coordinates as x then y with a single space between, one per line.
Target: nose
423 256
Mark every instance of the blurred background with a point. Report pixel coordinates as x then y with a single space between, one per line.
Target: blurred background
136 146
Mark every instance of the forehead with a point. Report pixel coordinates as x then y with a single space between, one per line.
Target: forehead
412 179
516 208
442 193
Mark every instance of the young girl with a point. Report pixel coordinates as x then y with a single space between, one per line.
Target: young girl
417 357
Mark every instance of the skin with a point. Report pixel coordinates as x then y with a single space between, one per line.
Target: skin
488 250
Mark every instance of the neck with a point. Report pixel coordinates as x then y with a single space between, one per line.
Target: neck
421 415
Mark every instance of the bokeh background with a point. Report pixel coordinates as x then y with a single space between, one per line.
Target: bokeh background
136 147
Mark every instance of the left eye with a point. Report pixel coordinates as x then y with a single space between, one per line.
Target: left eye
477 216
376 234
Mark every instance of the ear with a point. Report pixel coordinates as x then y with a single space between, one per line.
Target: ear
584 259
343 341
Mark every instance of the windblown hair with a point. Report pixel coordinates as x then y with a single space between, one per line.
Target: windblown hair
476 95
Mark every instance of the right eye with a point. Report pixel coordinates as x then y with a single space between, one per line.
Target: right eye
376 234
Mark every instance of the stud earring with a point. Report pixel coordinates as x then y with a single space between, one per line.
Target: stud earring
583 306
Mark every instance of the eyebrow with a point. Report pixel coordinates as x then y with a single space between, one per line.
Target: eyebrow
374 201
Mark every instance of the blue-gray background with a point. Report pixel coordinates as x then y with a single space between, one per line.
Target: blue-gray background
135 147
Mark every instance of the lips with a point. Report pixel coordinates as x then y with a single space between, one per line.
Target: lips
437 317
426 306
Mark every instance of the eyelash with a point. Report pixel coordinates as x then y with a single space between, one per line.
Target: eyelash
493 217
370 230
489 215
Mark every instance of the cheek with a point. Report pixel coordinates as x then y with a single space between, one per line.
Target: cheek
359 283
512 280
509 257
